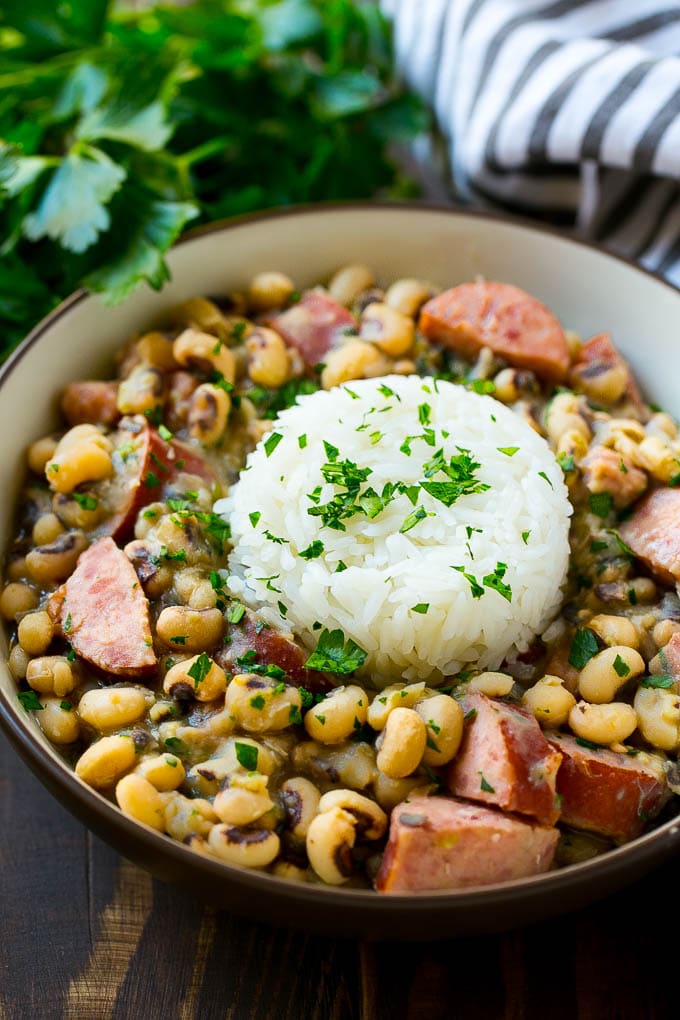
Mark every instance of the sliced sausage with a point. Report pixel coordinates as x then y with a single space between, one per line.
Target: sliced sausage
505 760
271 647
144 464
599 355
607 792
444 843
652 533
104 612
313 326
90 402
515 325
605 470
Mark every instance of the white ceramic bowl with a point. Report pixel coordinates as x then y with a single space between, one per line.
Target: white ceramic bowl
589 291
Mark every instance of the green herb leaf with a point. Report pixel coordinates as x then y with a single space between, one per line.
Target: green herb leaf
29 700
485 786
621 668
334 654
199 670
246 755
600 504
313 551
85 501
583 647
662 681
236 612
421 607
271 442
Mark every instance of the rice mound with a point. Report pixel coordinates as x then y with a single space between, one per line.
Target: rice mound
521 521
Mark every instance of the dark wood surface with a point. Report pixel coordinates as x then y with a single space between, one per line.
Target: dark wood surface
85 934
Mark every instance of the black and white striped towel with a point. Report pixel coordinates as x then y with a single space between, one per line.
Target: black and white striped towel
567 110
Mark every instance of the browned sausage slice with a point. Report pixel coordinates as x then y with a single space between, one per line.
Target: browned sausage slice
607 792
444 843
515 325
505 760
652 533
144 464
105 613
90 402
313 325
251 643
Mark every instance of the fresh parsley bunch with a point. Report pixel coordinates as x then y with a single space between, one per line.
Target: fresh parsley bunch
119 127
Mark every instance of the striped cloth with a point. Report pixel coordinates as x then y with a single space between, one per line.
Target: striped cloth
567 110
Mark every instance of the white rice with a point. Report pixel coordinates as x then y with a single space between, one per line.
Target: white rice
522 520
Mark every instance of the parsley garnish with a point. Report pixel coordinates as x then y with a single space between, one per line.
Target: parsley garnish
565 462
620 667
302 441
313 551
151 481
421 607
258 701
200 669
236 612
410 522
662 681
85 501
246 756
340 567
484 785
164 433
583 647
495 581
475 587
29 700
525 536
334 654
600 504
254 517
509 451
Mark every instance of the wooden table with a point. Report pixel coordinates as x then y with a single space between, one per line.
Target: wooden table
87 935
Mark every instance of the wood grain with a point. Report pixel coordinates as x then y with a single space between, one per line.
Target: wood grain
88 935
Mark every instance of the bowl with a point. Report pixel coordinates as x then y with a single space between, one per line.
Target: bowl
589 290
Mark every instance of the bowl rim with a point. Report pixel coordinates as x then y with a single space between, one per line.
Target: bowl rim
614 862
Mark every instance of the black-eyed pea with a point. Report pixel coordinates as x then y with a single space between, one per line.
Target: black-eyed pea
262 704
196 629
16 568
658 715
208 414
268 361
549 701
572 444
289 871
506 389
390 331
82 455
663 631
662 424
606 672
408 295
615 630
148 518
40 453
390 792
139 799
370 821
404 366
205 352
17 598
300 799
244 800
655 456
142 391
494 685
443 718
18 662
80 515
248 848
199 677
58 721
155 349
186 582
603 724
112 708
106 761
35 632
269 290
563 415
184 816
46 529
248 755
204 315
352 764
606 386
51 674
338 716
347 283
355 359
641 590
390 698
164 771
198 844
55 562
330 839
402 743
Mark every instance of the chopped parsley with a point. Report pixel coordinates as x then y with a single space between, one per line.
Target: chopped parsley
525 536
542 474
179 639
272 442
661 681
475 587
85 501
460 471
334 654
621 668
151 481
600 504
340 567
294 716
30 701
65 706
565 462
509 451
246 756
274 538
590 744
583 647
313 551
413 518
176 745
258 702
254 517
424 413
68 623
496 583
421 607
484 785
164 433
302 441
200 669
